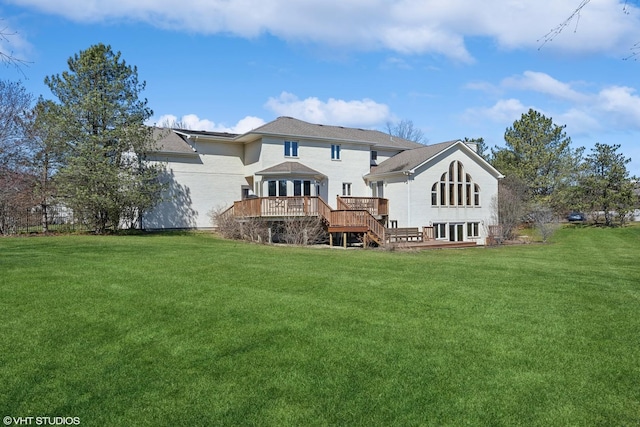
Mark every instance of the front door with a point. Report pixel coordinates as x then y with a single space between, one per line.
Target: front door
456 232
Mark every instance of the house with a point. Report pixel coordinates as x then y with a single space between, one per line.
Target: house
290 167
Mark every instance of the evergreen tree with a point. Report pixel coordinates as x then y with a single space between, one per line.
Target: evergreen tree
104 179
606 185
538 152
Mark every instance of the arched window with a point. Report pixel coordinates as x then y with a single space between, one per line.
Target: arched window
434 194
455 188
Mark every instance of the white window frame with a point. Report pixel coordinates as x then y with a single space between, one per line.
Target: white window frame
346 189
440 230
335 151
291 148
473 229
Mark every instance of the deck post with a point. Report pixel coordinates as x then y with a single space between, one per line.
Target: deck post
330 239
344 239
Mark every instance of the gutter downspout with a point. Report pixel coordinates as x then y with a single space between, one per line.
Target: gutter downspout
408 175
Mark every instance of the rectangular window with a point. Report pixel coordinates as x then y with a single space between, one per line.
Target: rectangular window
374 155
346 188
335 152
440 230
473 229
297 188
245 191
282 188
291 149
272 188
307 187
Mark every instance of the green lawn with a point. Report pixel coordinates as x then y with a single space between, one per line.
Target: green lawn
191 330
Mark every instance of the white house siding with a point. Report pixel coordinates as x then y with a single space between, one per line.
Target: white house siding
252 155
353 164
383 154
410 200
395 190
211 180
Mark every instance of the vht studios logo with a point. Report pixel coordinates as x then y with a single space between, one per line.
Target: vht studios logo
41 421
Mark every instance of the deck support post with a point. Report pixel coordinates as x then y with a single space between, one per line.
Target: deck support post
330 239
344 239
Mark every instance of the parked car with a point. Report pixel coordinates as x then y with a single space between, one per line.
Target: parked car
576 216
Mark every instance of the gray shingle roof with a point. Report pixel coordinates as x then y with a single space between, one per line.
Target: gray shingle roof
289 168
168 141
207 133
410 159
289 126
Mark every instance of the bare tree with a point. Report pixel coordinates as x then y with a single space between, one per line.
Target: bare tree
239 228
544 220
46 156
307 230
174 124
574 19
406 130
15 103
8 58
509 208
16 189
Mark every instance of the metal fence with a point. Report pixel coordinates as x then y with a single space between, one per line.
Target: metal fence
27 221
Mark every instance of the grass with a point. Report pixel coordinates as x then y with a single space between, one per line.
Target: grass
196 331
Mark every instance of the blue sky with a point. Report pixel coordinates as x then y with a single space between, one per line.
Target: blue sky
456 68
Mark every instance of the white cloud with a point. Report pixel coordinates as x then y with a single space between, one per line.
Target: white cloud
193 122
622 104
503 111
613 108
579 122
405 26
363 113
544 83
358 113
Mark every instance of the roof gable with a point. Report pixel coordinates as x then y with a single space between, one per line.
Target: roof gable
167 141
408 161
290 168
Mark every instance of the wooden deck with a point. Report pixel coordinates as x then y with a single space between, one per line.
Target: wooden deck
363 216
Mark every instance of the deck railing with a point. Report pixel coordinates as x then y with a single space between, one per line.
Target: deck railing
308 206
350 218
279 206
376 206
